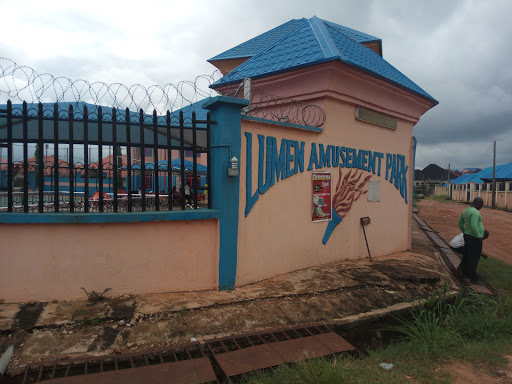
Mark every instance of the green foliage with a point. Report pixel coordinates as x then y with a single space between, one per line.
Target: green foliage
85 317
469 327
427 330
441 198
94 296
497 273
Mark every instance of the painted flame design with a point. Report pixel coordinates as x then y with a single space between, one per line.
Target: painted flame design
347 191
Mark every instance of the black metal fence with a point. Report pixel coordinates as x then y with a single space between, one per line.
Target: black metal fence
145 169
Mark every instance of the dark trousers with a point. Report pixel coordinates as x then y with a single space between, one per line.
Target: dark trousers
459 250
471 256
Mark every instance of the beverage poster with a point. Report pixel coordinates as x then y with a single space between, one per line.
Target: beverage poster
322 203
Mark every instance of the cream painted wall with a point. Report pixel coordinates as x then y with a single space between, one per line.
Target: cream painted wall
278 236
53 261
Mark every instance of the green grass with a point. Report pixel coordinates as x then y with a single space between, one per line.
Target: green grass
441 198
471 328
497 273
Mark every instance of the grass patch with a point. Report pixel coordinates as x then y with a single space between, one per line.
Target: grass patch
471 328
441 198
497 273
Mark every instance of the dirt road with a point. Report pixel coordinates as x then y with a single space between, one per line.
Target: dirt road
443 217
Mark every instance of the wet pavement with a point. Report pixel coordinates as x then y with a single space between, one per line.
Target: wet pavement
336 293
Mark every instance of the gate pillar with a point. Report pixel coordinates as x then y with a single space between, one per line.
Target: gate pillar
225 142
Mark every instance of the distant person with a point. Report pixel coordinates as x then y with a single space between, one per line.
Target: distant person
175 196
188 196
470 223
457 243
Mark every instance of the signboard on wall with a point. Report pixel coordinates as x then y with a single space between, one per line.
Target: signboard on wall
322 191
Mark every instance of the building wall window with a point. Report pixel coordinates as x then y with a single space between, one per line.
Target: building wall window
190 178
191 153
148 151
148 182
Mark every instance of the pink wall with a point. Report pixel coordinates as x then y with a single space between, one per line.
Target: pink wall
278 236
146 257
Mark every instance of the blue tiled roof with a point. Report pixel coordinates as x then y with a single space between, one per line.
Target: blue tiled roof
503 173
259 43
315 41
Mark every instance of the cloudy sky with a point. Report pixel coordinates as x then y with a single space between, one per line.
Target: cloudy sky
458 51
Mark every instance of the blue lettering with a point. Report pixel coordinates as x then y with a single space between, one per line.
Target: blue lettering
371 162
404 181
249 200
379 156
289 159
335 156
342 156
278 162
313 159
324 158
264 186
389 161
349 157
299 156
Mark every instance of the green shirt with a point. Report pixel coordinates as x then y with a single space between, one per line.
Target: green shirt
470 222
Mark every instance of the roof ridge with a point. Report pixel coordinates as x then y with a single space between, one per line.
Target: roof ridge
343 29
263 51
323 37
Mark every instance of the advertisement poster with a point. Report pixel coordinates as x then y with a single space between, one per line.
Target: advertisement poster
322 204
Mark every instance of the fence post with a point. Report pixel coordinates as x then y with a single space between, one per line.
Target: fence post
225 142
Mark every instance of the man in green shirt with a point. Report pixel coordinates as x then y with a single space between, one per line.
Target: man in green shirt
470 223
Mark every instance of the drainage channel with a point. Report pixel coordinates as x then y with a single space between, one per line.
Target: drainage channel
214 361
449 258
185 363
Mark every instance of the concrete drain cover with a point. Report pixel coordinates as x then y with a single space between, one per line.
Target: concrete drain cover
246 353
184 364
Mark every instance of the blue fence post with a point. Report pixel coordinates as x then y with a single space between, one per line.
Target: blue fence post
225 142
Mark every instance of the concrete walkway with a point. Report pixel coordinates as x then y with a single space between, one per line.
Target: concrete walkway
335 293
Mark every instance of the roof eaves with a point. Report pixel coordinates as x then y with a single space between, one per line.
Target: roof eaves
228 58
344 30
237 80
424 95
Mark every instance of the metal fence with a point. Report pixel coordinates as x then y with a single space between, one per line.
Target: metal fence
145 169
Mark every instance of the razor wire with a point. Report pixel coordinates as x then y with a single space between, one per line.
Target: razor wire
23 83
266 105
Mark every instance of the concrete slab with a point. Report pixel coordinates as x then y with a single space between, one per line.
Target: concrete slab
176 302
7 315
61 313
52 343
337 292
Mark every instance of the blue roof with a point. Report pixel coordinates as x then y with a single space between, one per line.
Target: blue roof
92 109
265 40
315 41
503 173
259 43
175 166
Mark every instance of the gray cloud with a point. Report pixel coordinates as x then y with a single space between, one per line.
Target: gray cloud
456 50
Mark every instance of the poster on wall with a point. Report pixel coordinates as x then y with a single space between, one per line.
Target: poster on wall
322 204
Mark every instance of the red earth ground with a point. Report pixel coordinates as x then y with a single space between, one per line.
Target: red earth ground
444 216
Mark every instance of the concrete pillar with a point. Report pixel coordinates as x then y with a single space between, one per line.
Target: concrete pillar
225 143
